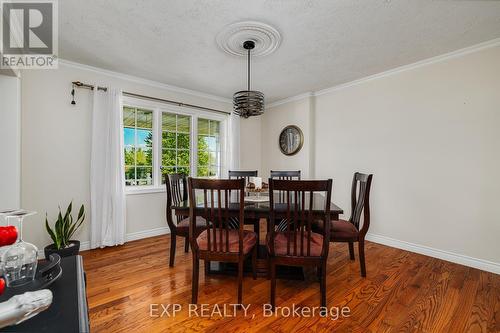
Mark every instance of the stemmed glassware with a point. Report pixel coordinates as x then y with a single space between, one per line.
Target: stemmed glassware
3 214
19 260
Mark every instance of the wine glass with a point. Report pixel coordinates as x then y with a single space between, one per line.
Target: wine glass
21 258
4 214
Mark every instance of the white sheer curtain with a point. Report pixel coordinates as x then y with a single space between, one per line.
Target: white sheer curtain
233 144
107 184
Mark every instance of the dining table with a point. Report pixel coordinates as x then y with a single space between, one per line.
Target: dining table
256 209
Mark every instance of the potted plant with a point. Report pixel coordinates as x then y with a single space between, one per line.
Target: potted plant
64 229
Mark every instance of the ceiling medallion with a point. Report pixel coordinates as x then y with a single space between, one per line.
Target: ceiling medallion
266 38
242 39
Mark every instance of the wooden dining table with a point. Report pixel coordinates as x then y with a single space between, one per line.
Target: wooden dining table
253 213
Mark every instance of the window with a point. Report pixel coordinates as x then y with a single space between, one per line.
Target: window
176 144
138 143
160 139
208 148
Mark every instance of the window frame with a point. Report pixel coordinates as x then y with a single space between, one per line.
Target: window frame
218 150
135 146
158 108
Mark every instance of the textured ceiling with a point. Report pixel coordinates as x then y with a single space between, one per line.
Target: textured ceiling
325 42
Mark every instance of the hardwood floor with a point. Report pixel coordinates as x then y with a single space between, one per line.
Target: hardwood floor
403 291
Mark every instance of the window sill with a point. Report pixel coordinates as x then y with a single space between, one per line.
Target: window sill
144 190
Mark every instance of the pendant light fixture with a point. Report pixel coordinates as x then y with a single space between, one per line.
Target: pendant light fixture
248 103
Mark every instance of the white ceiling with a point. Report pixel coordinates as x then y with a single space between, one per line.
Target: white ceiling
325 42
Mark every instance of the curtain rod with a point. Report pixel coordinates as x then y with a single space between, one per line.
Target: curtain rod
91 87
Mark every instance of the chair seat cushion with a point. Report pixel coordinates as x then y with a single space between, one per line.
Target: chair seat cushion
249 240
343 229
281 239
183 226
339 230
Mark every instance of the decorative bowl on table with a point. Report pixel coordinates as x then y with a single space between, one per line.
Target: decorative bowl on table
256 185
256 188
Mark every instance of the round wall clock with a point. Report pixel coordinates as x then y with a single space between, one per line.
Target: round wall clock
291 140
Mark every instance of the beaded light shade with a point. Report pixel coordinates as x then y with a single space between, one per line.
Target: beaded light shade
248 103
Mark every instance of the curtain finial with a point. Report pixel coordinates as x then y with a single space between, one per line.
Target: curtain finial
73 95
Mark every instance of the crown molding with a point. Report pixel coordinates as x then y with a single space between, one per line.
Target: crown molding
418 64
140 80
290 99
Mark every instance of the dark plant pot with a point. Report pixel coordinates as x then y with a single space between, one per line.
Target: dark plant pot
71 250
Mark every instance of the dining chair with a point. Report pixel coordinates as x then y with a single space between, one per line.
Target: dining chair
219 242
298 245
286 175
242 174
236 174
353 230
177 192
283 175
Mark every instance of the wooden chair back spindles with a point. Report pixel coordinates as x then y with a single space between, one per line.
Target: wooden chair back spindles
220 241
295 243
296 213
216 206
236 174
242 174
284 175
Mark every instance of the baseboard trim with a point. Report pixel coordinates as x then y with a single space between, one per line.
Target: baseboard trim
147 233
481 264
85 245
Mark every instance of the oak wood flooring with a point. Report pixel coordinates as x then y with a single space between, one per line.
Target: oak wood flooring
403 292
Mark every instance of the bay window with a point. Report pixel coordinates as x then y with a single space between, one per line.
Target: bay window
161 139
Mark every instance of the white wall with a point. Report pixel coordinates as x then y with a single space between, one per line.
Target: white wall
431 137
10 139
273 121
56 147
429 134
250 145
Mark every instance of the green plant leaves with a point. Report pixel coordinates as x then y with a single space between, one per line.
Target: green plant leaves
65 226
81 212
52 234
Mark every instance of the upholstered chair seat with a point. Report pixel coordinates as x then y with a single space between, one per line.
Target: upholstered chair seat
355 229
340 230
291 241
183 225
220 241
281 239
249 241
